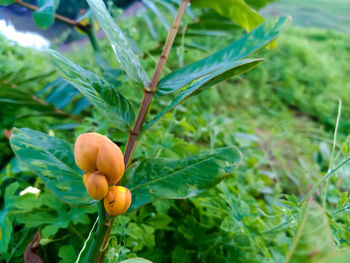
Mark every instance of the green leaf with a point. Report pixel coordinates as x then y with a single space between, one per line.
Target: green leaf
154 179
45 15
36 78
239 49
180 254
226 72
5 223
160 221
258 4
51 221
67 254
314 239
99 92
229 224
52 159
136 260
6 2
152 6
120 44
5 232
211 22
21 98
237 10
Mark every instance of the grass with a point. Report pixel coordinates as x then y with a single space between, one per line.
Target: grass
326 14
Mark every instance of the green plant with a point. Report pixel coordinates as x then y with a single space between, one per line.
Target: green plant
148 179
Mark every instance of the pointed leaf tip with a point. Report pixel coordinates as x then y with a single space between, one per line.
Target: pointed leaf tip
120 44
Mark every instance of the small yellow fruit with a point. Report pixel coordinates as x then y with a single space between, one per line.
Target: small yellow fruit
86 149
96 185
110 161
117 201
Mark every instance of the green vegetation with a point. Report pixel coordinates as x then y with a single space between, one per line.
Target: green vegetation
281 116
308 72
316 13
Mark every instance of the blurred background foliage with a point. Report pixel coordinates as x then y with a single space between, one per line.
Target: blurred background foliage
281 115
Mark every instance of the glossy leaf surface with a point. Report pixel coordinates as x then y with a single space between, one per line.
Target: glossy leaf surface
53 160
99 92
237 10
62 95
248 44
154 179
81 105
230 70
120 44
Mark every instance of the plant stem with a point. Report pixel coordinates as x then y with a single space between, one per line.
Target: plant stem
323 179
333 151
148 92
101 256
92 37
57 16
101 229
146 101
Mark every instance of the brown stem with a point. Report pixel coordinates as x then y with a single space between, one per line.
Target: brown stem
130 145
146 101
57 16
148 93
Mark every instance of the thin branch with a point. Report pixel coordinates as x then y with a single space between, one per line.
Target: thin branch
44 103
148 93
57 16
57 110
324 178
146 101
331 163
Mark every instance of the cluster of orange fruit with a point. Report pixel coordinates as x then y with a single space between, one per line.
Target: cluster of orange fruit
103 164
